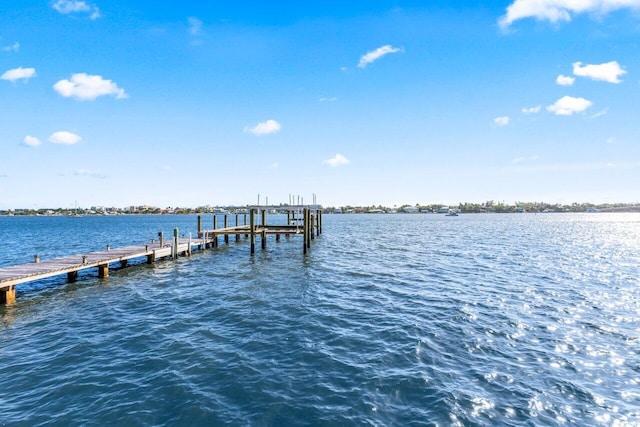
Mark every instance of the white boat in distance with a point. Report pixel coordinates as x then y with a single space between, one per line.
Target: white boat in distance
452 212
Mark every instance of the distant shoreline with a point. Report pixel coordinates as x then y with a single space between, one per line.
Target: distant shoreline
462 208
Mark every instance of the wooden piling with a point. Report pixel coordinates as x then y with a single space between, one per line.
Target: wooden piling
36 259
263 236
175 243
237 235
312 219
199 225
253 231
103 270
226 224
215 236
161 238
304 231
72 276
8 295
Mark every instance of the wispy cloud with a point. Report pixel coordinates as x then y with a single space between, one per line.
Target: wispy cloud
568 105
18 74
264 128
561 10
533 158
89 173
31 141
337 160
376 54
565 80
325 99
532 110
64 138
195 26
67 7
88 87
501 121
608 72
12 48
599 114
273 166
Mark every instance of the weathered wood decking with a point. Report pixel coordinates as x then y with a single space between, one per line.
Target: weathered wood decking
308 225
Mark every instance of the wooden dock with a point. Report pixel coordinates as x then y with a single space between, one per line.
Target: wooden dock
307 223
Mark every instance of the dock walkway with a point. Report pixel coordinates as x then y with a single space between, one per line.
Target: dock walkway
71 265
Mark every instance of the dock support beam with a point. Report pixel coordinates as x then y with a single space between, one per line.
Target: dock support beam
72 276
8 295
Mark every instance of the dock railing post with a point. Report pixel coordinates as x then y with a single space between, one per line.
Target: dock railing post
199 225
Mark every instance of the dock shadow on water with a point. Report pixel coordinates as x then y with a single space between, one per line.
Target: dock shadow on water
387 320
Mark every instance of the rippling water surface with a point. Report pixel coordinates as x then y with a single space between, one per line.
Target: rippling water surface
389 320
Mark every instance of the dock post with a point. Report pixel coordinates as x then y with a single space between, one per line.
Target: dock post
288 217
245 223
312 217
304 231
175 243
226 224
319 222
161 238
103 270
309 228
189 246
215 225
237 235
72 276
151 258
263 235
8 295
199 225
36 259
253 231
124 263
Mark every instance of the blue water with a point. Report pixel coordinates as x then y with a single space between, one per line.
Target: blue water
389 320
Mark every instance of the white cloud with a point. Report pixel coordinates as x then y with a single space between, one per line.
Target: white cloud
273 166
532 110
568 105
599 114
12 48
561 10
195 26
332 99
501 121
18 74
611 140
31 141
77 6
565 80
65 138
337 160
89 173
264 128
374 55
88 87
609 72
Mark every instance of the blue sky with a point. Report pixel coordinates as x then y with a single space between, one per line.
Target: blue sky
390 102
